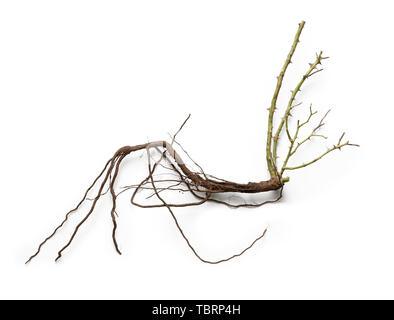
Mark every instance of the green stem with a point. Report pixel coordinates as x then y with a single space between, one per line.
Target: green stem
290 104
338 146
270 162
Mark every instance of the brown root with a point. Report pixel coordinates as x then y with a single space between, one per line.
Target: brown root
193 182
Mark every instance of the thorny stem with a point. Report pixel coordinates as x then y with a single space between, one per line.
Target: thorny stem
270 162
338 146
294 138
311 71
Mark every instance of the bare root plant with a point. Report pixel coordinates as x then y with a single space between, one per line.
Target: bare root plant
204 187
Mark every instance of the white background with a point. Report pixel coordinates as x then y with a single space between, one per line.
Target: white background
79 79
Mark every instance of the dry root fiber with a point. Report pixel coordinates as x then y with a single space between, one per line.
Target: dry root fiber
204 187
